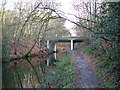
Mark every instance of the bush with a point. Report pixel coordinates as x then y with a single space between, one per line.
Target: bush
64 75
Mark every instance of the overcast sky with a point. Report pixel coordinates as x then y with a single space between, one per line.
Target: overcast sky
67 7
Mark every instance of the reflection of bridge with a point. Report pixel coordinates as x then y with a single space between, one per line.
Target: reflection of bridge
51 43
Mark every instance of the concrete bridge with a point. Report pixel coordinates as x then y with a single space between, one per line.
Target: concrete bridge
51 43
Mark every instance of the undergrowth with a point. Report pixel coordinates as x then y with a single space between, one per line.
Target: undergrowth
106 62
63 76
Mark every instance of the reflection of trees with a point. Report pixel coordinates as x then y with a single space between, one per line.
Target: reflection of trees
27 77
38 78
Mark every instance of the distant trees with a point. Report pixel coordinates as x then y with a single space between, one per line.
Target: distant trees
57 28
28 21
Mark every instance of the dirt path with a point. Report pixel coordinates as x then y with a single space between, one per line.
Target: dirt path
86 76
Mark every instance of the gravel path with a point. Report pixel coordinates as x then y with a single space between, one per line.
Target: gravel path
86 78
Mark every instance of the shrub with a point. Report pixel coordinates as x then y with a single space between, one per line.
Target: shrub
63 76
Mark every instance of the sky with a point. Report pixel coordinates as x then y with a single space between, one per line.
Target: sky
67 7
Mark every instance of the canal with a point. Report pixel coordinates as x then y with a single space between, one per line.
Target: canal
30 72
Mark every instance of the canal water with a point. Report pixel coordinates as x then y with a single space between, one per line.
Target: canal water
30 72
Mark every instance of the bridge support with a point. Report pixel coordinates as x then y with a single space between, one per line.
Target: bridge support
72 44
48 62
48 44
55 49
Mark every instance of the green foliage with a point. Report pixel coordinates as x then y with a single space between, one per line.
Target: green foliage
64 74
107 62
88 51
108 26
109 85
105 44
91 49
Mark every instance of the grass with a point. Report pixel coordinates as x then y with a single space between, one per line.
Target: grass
89 51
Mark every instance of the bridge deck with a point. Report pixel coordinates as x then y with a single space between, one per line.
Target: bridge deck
64 38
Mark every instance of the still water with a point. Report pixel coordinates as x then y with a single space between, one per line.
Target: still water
30 72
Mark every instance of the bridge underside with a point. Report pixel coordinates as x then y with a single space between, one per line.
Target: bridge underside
75 41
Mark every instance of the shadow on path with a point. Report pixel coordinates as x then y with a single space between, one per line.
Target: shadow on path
86 78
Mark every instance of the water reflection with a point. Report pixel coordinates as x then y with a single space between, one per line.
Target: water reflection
50 60
28 73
